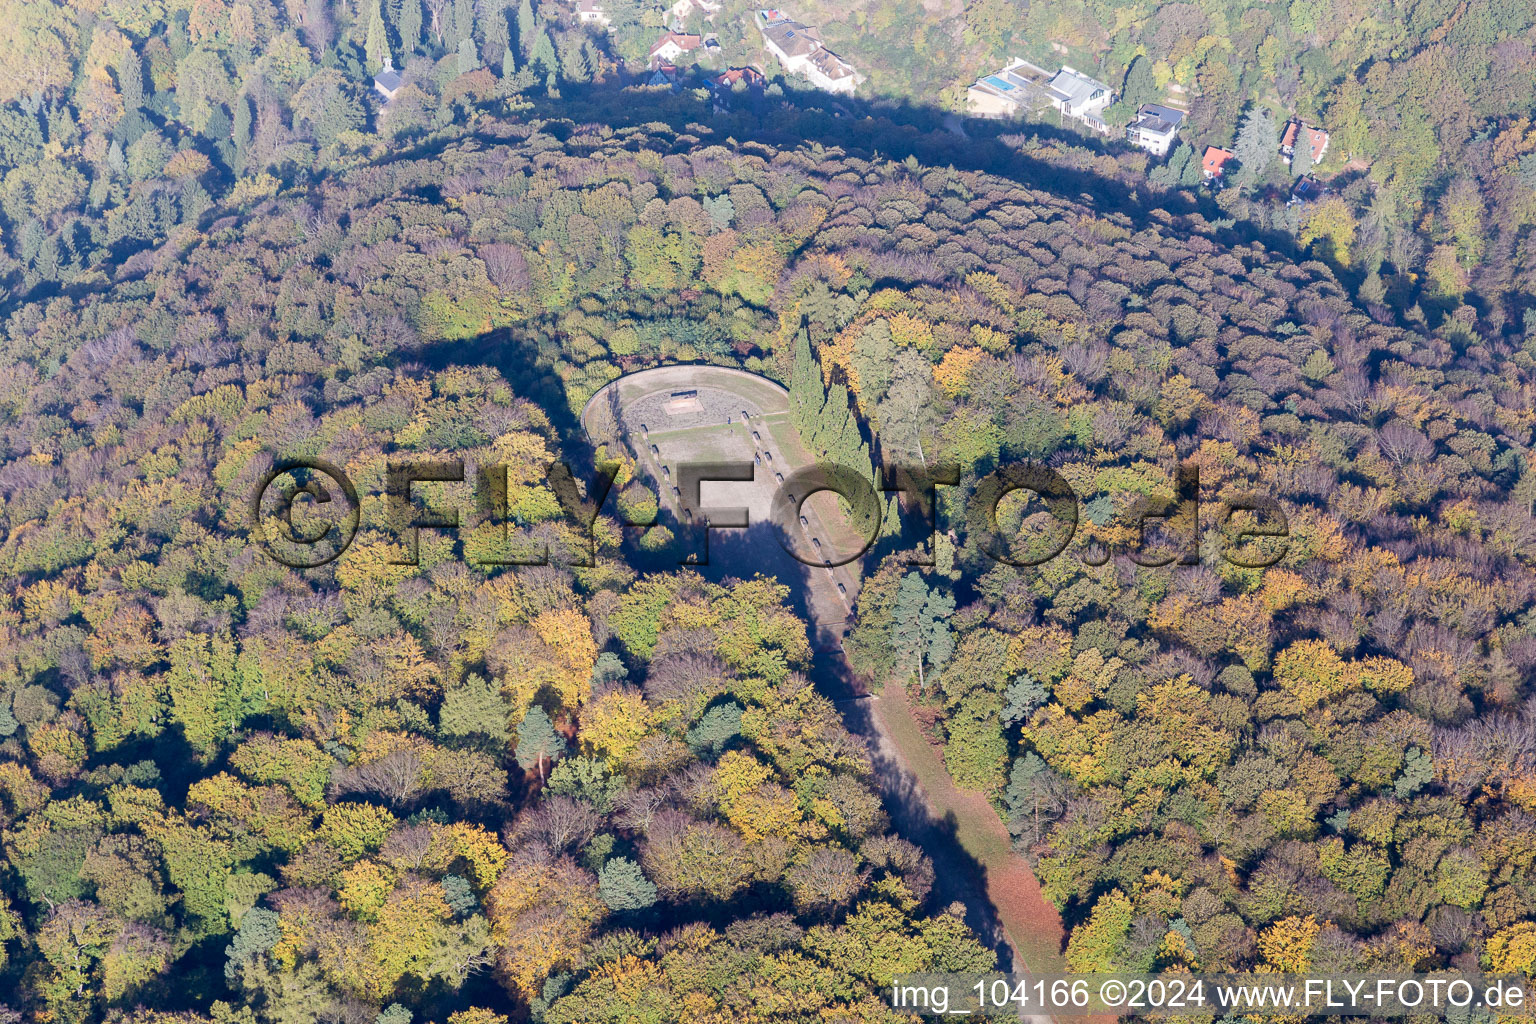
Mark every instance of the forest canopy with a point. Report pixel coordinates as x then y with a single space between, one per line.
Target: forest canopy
462 792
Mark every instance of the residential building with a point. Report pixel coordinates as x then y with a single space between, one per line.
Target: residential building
828 71
1015 89
751 76
673 45
1023 86
664 74
590 12
1155 128
1077 96
684 8
788 40
799 49
388 81
1307 190
1213 163
1315 138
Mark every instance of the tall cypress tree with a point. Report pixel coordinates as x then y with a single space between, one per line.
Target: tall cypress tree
537 740
498 35
525 28
130 80
408 27
806 396
376 45
544 56
908 629
241 132
463 26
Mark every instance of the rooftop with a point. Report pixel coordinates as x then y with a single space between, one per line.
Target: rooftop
1076 87
1016 81
1161 120
749 75
684 42
830 64
1316 136
1308 190
1213 160
793 38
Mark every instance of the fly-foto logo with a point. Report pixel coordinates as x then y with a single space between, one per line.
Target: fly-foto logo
330 511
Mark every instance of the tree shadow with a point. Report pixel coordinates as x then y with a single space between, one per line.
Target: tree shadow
761 548
883 128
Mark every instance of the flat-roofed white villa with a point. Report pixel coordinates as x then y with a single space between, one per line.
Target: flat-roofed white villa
1022 86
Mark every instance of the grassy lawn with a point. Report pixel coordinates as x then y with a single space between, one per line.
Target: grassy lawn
1030 922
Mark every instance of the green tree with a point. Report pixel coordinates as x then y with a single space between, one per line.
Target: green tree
715 728
130 80
806 394
1036 797
1096 944
623 886
526 28
459 895
475 706
408 27
537 740
258 933
201 85
1301 156
1140 86
376 45
468 60
920 633
1256 146
543 59
21 137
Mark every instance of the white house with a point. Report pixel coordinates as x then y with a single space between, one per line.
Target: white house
1296 133
683 8
1024 86
799 49
1077 96
388 81
1019 87
590 12
673 45
1155 128
829 72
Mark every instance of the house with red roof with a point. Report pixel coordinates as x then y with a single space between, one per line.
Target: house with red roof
1296 134
751 76
673 45
1214 160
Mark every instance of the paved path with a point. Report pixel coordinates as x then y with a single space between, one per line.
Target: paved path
634 408
973 858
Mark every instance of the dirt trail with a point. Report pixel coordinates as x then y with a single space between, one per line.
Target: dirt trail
1029 922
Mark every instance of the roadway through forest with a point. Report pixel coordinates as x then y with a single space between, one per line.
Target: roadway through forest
971 850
